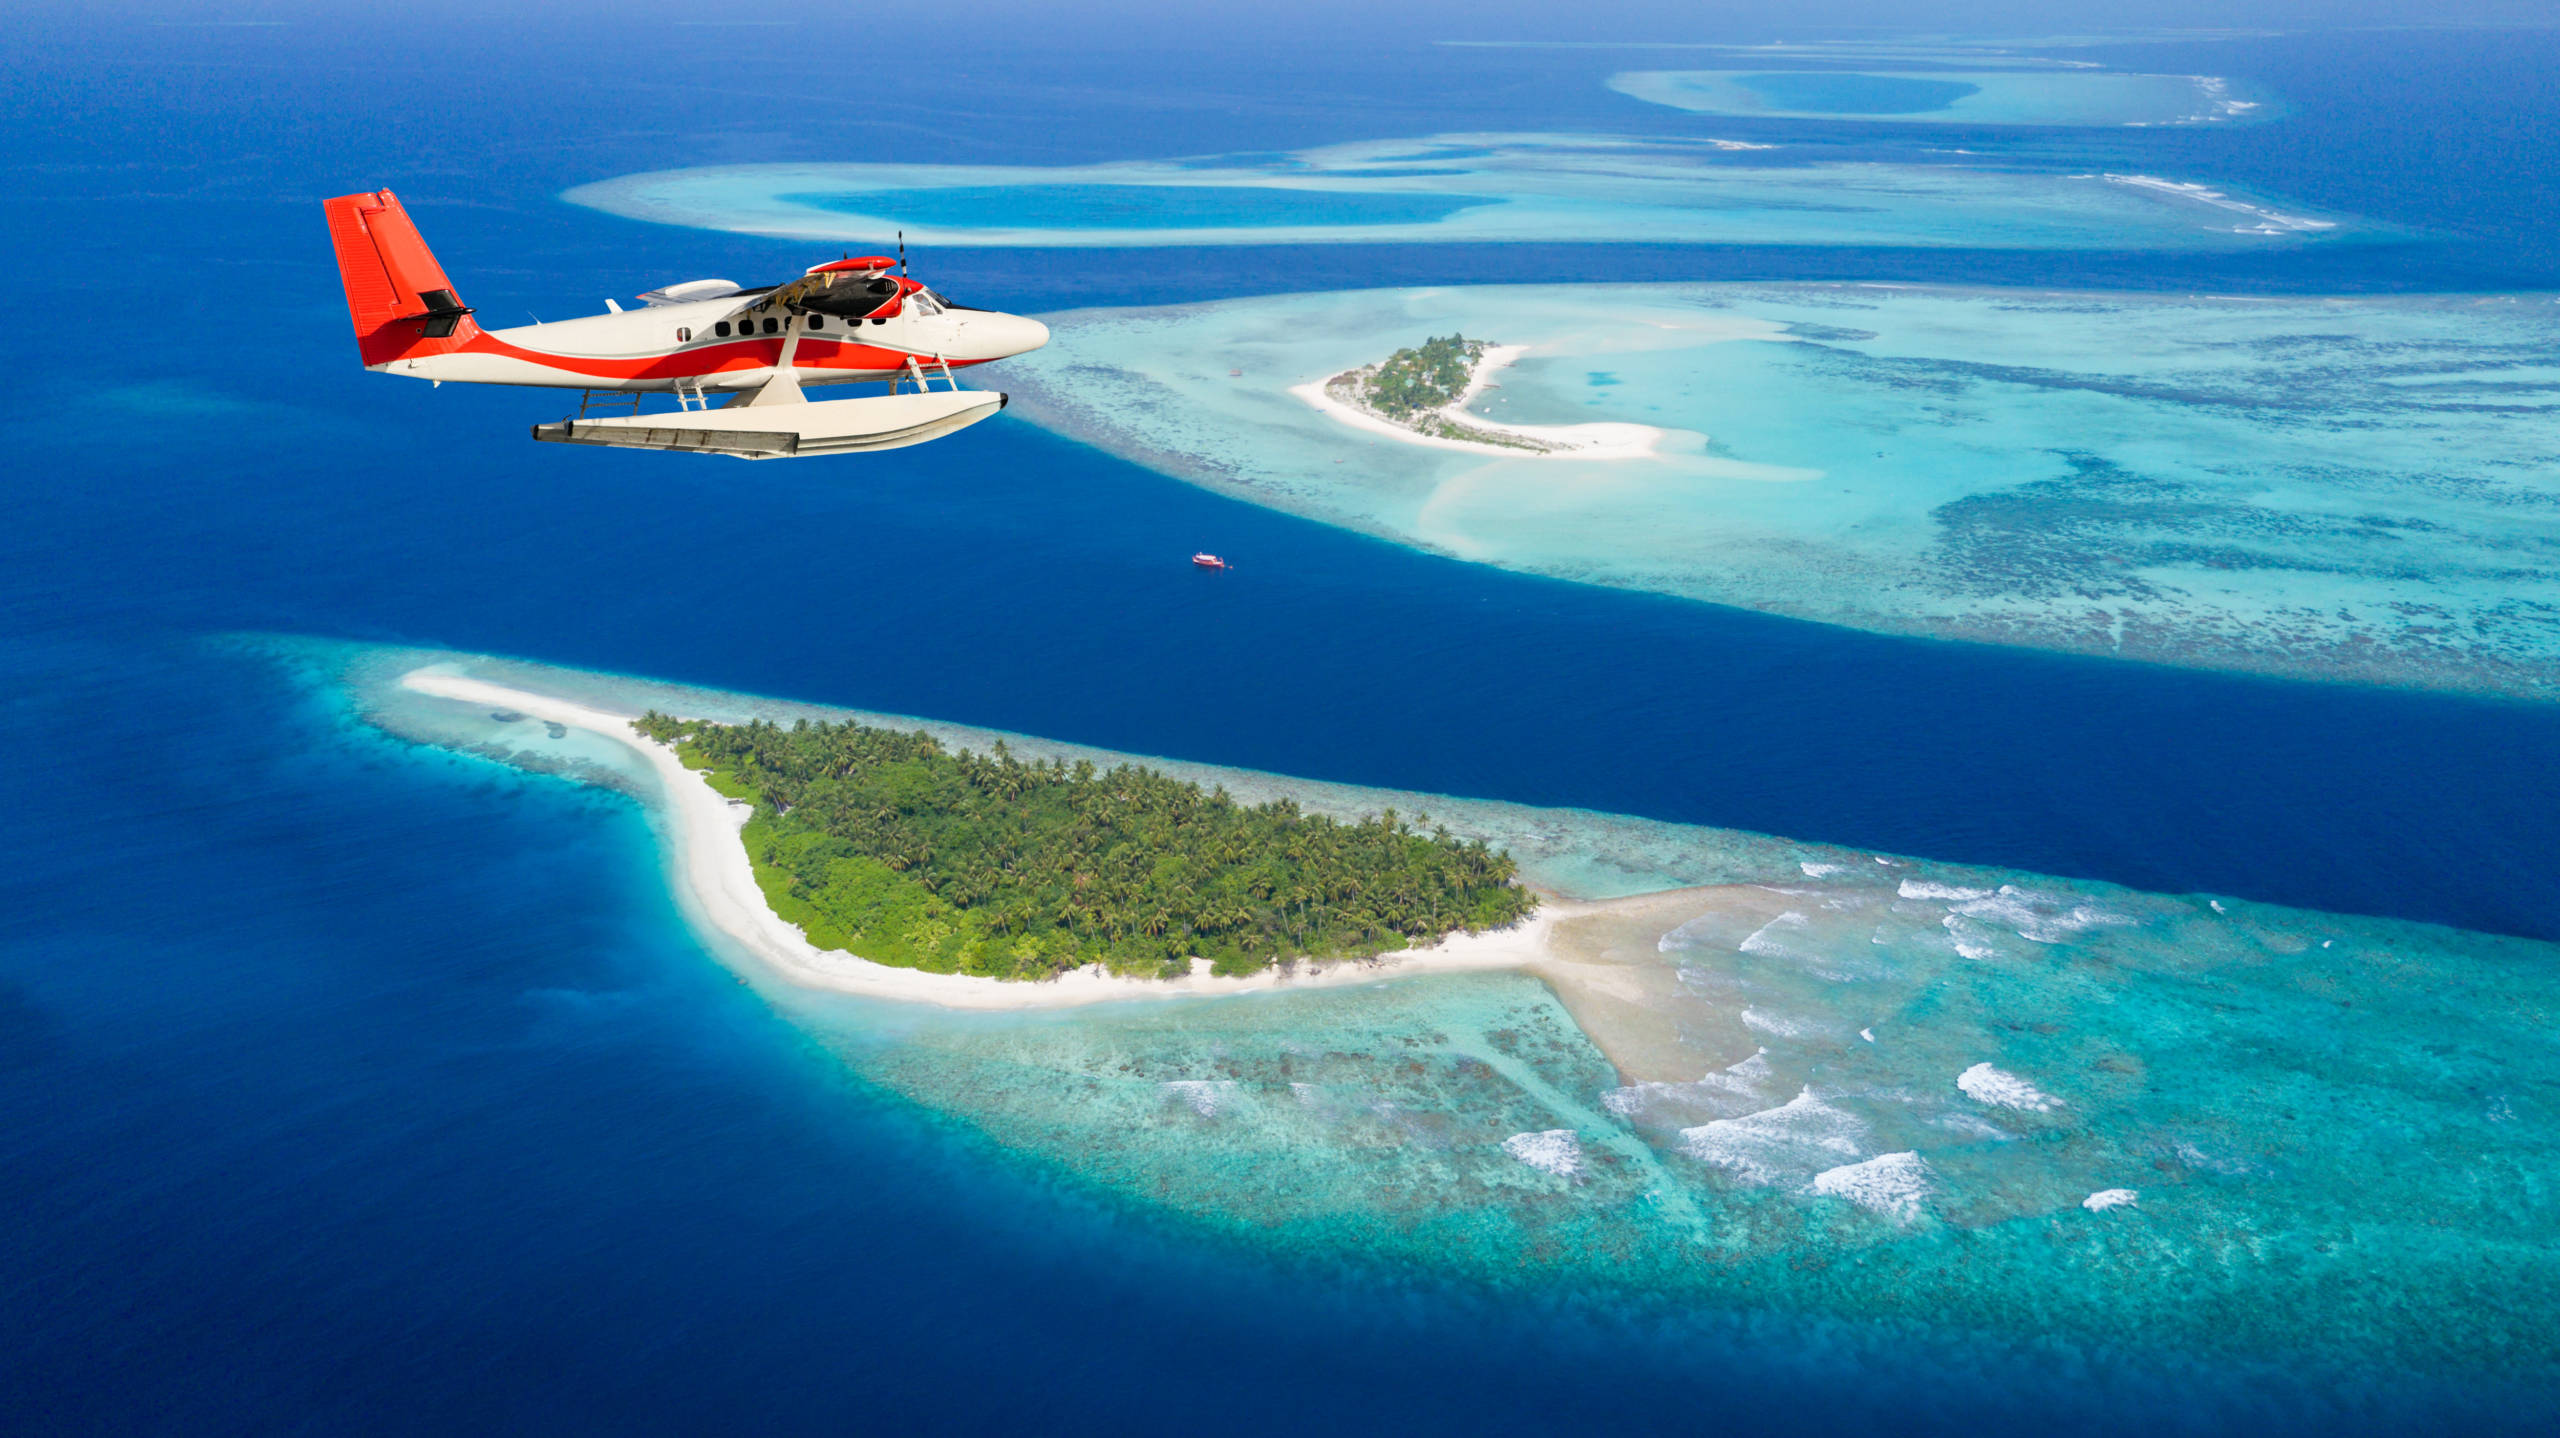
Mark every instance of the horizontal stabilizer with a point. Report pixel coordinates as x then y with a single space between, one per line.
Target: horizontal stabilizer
788 431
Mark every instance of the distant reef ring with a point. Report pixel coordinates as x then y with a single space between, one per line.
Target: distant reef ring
2011 96
1457 188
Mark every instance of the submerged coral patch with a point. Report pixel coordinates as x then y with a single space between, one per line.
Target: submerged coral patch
1690 1119
2319 488
1554 1151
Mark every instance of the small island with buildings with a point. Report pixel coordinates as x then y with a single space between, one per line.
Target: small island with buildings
1426 389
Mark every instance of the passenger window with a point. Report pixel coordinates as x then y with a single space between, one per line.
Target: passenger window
879 319
721 329
817 322
684 337
772 325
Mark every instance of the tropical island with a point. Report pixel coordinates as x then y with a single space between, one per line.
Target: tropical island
888 844
1425 389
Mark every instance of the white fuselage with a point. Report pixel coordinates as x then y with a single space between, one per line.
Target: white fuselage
718 345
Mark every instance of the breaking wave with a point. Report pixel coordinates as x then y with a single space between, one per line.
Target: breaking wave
1893 1184
2001 1089
1747 1081
1776 1144
2041 918
1923 889
1554 1150
2269 222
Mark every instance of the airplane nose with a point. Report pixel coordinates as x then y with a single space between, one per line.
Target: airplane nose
992 336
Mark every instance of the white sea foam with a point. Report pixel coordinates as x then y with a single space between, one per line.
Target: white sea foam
1868 1034
1772 940
1554 1150
2107 1198
2268 222
1752 1070
1205 1096
1761 940
1748 1081
1691 935
1923 889
1768 1147
2001 1089
1820 871
2005 908
1785 1026
1972 1126
1968 941
1893 1184
2041 918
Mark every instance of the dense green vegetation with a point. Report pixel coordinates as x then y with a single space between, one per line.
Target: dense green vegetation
1433 374
1411 386
889 845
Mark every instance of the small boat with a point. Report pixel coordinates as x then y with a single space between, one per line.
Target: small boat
1208 561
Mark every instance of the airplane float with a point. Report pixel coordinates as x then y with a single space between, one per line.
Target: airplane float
734 358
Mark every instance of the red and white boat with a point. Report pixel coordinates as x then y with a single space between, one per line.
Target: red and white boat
1208 561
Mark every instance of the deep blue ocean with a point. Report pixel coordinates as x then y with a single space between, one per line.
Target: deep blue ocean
346 1085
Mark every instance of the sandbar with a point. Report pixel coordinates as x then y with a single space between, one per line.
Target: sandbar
1598 956
716 885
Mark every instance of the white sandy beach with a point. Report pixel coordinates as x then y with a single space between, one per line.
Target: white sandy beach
1571 441
717 886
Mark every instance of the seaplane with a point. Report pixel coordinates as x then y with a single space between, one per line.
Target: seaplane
735 359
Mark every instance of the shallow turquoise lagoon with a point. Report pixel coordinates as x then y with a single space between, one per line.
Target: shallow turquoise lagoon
1828 93
1149 207
1464 188
2008 96
2065 1116
2322 488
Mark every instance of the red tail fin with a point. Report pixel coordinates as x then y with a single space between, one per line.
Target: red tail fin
396 292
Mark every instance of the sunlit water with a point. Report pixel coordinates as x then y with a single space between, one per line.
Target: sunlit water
1983 1100
2322 488
2017 96
354 1085
1462 188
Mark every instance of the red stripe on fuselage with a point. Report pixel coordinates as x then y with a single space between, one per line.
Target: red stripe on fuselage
703 361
